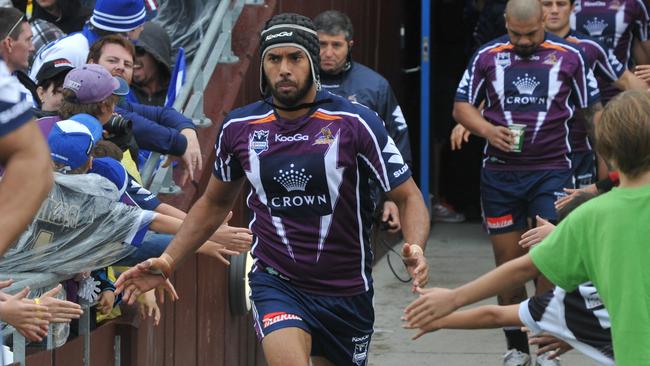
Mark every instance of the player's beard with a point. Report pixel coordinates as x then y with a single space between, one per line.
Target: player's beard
291 99
526 51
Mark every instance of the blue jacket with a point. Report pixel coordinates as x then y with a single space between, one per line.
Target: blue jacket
156 128
363 85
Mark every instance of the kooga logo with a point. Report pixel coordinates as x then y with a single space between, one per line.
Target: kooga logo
281 34
296 137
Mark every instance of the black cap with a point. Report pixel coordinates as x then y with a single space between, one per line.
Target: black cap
290 29
53 68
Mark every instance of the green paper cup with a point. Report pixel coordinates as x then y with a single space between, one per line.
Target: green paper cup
518 132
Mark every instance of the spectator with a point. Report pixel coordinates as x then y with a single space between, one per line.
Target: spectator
49 86
152 67
358 83
155 128
44 33
16 46
68 15
124 17
529 93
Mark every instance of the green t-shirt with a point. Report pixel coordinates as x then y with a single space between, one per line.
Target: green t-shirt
607 241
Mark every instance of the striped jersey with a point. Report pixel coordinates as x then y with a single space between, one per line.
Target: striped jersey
578 317
539 91
15 104
309 188
615 23
607 69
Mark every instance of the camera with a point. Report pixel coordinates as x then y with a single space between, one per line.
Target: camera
118 126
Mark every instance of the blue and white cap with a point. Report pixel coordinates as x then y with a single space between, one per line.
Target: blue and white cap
118 15
92 123
71 144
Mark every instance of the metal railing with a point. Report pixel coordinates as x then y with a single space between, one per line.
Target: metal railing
215 49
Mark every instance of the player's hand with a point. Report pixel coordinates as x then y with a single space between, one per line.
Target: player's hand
547 343
433 304
416 264
573 193
150 274
149 307
643 72
537 234
459 135
61 311
390 216
29 318
501 138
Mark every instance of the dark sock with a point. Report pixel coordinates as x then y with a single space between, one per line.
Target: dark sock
517 339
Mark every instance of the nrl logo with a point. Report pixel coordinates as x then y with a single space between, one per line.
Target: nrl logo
259 141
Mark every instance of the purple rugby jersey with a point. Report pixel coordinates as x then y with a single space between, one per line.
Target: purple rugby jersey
540 91
607 69
309 188
615 23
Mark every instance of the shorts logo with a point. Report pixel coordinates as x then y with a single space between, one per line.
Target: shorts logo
259 141
272 318
360 350
499 222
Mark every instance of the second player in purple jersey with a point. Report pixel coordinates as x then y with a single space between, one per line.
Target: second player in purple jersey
615 23
309 196
607 70
539 91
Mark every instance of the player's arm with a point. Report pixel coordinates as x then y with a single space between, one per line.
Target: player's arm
414 218
469 116
204 218
435 303
592 116
482 317
26 182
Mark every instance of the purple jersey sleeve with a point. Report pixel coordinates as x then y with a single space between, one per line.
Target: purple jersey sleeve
642 21
380 153
585 86
226 167
471 88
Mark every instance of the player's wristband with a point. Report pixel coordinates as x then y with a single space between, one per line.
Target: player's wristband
417 248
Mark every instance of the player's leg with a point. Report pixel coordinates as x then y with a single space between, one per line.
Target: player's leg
280 318
547 188
503 199
287 347
320 361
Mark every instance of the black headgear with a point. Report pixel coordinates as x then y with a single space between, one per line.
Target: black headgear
295 30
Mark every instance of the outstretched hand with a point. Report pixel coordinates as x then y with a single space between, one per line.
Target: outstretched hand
150 274
29 318
433 304
416 264
535 235
62 311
